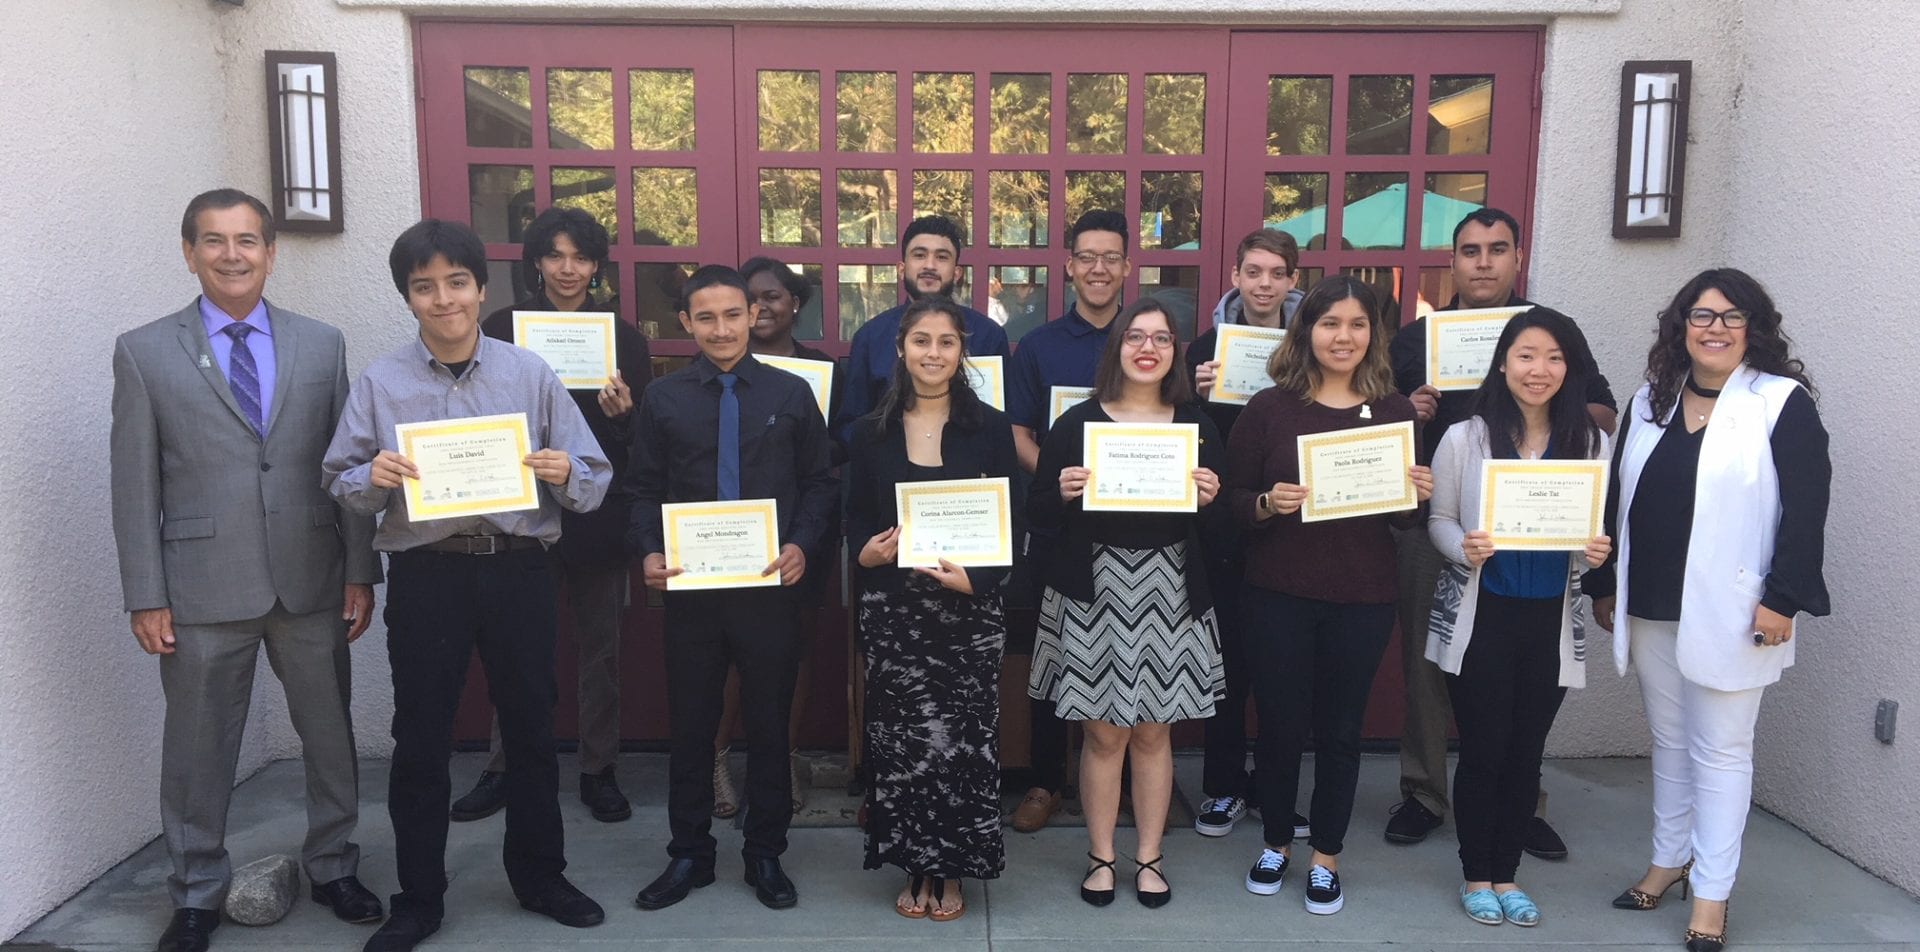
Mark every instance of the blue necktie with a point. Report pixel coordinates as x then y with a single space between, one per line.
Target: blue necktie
729 465
243 376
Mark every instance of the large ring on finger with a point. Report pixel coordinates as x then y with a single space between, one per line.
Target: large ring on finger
1759 637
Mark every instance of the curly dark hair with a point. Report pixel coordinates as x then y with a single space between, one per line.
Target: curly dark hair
1769 350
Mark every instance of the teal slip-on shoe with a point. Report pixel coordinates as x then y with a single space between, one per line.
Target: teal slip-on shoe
1482 906
1519 909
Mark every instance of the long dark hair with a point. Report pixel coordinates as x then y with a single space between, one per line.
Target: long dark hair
1574 434
1769 350
1293 366
1110 379
963 404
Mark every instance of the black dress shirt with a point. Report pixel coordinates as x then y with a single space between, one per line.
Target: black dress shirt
783 450
877 462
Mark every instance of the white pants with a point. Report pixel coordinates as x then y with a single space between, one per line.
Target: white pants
1702 763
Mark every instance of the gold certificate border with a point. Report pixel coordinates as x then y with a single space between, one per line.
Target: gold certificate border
1002 489
674 514
1493 468
1401 433
419 509
817 373
1096 433
993 370
1434 320
1228 332
1062 399
598 319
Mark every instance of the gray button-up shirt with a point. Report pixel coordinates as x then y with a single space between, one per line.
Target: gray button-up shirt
409 386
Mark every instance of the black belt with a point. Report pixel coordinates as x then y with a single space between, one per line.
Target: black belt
481 544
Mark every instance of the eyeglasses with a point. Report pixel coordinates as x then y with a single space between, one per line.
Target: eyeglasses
1734 318
1087 259
1161 339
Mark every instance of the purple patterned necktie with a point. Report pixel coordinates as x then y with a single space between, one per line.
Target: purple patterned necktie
243 376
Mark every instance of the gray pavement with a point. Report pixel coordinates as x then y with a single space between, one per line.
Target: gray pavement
1793 893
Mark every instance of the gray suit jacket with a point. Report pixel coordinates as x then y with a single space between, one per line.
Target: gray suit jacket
210 519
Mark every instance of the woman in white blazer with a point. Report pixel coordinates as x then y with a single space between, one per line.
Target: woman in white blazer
1719 506
1504 626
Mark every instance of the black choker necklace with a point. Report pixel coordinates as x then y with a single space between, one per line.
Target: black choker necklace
1702 391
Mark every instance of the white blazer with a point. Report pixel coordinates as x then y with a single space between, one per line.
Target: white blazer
1736 511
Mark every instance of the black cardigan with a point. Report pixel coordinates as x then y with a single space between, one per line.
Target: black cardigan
877 461
1069 569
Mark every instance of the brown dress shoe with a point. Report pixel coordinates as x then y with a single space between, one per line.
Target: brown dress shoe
1035 809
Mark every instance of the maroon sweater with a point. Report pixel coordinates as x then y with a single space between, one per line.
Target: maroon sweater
1350 561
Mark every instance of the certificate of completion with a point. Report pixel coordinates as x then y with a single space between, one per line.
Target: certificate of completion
722 544
578 345
1060 399
468 467
988 378
1460 345
1542 504
965 521
1357 472
1142 467
817 373
1242 351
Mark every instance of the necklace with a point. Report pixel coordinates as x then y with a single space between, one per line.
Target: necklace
1701 415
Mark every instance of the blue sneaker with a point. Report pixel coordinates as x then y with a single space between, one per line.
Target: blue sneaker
1482 906
1518 909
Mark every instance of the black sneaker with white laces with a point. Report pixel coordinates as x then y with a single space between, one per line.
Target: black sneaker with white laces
1218 815
1323 891
1264 878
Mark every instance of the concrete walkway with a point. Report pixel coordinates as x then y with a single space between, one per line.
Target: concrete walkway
1793 893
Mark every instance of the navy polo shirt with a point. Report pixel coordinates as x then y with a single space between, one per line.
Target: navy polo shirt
1060 353
869 366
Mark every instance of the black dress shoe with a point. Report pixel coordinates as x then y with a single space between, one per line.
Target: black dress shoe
190 931
401 933
770 883
681 877
486 798
1410 822
1542 841
349 900
601 793
564 904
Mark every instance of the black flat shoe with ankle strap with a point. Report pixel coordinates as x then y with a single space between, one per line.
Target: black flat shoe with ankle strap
1097 897
1152 900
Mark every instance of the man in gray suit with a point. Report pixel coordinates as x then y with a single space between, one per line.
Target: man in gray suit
221 414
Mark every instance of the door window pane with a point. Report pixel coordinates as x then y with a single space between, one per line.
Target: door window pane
499 107
865 290
864 112
580 108
1386 285
789 107
1017 217
666 207
505 286
1021 293
1097 113
1170 210
806 324
500 200
661 109
1176 114
1375 212
591 191
948 193
1436 289
1296 203
1178 291
1459 115
943 112
1087 191
1450 196
1299 114
869 203
1379 115
1308 277
1021 107
656 299
790 208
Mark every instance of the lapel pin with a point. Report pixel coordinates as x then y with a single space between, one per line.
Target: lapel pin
205 362
1366 412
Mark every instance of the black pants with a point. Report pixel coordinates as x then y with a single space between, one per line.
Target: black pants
1338 647
1504 700
1224 766
757 632
441 608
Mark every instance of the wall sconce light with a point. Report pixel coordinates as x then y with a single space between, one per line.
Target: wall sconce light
1650 175
303 125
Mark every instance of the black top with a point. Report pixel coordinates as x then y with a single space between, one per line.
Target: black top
783 450
834 397
877 461
1069 570
1661 519
1408 351
595 538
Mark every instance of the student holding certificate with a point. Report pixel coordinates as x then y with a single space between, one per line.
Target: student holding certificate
563 253
1318 599
1504 625
1127 641
1719 500
932 635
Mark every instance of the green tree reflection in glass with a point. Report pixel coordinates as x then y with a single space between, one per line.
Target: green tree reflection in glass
1021 107
789 110
865 112
661 110
1176 114
943 112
